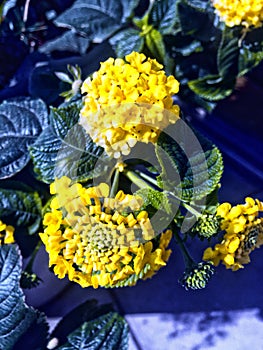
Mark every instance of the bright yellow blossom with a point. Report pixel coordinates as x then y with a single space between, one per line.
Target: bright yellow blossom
240 12
6 233
128 101
101 241
243 233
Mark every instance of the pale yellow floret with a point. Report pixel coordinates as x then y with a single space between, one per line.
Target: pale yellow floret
127 101
247 13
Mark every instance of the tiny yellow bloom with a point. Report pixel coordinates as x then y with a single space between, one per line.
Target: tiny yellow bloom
6 233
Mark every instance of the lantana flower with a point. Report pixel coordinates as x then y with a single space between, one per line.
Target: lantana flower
6 233
128 101
243 233
246 13
101 241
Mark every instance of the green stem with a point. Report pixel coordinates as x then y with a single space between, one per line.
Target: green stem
189 261
192 210
32 258
148 178
137 180
26 8
115 183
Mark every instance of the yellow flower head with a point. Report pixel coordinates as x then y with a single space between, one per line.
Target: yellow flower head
6 233
101 241
243 233
128 101
240 12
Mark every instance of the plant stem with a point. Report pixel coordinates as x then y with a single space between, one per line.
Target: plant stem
192 210
148 178
26 8
32 258
136 179
189 261
115 183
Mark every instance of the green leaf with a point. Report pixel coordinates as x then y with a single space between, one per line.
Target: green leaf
155 44
97 19
196 19
227 56
35 336
198 162
189 48
161 206
251 51
87 311
212 87
157 199
21 122
15 316
63 77
142 22
163 16
107 332
248 60
127 41
200 5
24 208
69 41
64 148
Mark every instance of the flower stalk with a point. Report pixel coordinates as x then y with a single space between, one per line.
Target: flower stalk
115 183
136 179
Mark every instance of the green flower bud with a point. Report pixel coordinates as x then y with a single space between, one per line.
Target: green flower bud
207 226
29 280
197 276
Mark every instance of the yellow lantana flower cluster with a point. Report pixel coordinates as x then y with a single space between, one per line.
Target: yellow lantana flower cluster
240 12
101 241
6 233
128 101
244 233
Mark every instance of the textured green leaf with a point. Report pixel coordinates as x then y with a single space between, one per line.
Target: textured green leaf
64 148
157 199
155 44
15 316
200 164
35 336
200 5
87 311
163 16
23 207
196 19
248 60
127 41
251 51
212 87
107 332
21 121
189 48
69 41
227 56
97 18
